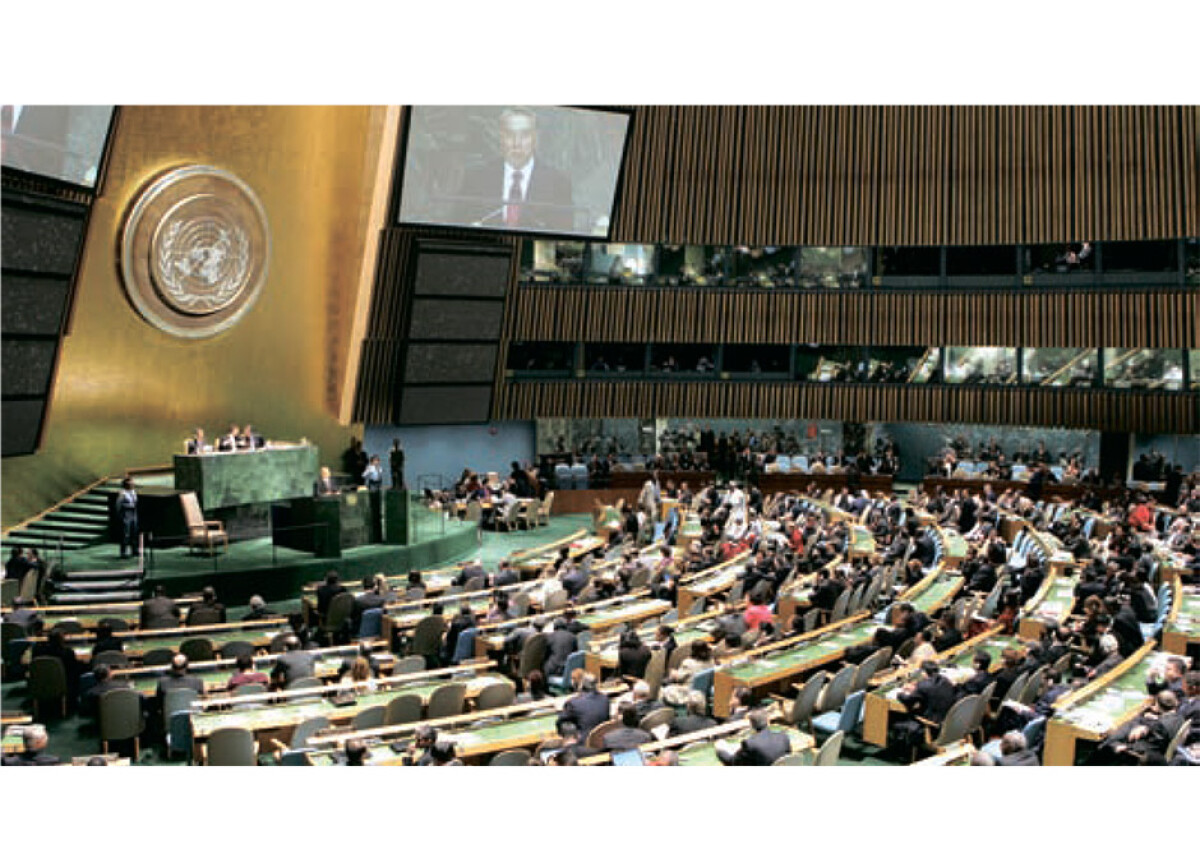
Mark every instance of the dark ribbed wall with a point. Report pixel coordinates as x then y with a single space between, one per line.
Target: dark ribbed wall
875 176
1092 409
1122 318
900 175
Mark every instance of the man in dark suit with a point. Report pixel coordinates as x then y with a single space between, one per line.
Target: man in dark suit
517 190
89 702
931 699
159 611
206 608
586 710
177 677
506 575
470 569
24 615
559 644
326 592
293 664
696 719
368 599
628 736
127 513
762 748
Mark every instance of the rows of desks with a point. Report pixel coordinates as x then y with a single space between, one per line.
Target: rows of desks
1092 712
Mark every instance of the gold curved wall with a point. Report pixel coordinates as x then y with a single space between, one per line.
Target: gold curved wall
126 394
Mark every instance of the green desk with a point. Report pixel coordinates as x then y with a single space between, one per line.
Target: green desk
934 597
1105 704
135 646
880 704
526 732
1051 607
775 670
1183 628
705 754
232 478
277 721
325 525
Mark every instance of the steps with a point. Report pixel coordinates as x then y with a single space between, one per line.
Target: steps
98 586
76 524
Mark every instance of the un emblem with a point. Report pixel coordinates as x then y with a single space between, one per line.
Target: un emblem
194 251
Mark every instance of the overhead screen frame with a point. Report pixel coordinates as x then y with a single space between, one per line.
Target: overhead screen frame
512 232
59 186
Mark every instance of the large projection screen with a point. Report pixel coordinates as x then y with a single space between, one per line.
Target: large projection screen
62 142
537 169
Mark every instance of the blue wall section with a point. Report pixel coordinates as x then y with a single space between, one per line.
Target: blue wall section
446 449
1181 449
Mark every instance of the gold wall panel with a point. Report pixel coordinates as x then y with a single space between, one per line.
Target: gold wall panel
126 394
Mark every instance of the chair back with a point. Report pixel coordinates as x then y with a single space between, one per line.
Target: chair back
474 584
464 646
856 599
657 717
1032 689
1016 688
703 681
447 700
8 591
371 624
869 667
409 665
533 655
404 709
498 695
852 711
237 648
47 679
341 607
157 657
1035 733
512 757
519 605
369 717
794 759
179 732
69 626
192 513
828 753
957 723
180 698
251 689
698 606
206 616
735 592
197 649
678 655
834 694
840 606
575 660
427 636
307 728
121 714
304 683
112 659
231 747
811 618
474 512
557 600
30 584
1177 740
544 510
806 699
993 599
981 710
595 738
656 670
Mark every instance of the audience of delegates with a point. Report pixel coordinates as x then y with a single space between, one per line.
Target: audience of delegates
786 537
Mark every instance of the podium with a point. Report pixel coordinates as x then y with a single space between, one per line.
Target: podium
325 525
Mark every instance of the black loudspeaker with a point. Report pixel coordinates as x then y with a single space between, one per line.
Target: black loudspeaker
451 343
1114 456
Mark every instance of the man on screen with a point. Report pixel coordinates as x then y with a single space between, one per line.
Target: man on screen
518 190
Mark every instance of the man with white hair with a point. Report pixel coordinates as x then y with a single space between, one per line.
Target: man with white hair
1014 751
34 740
